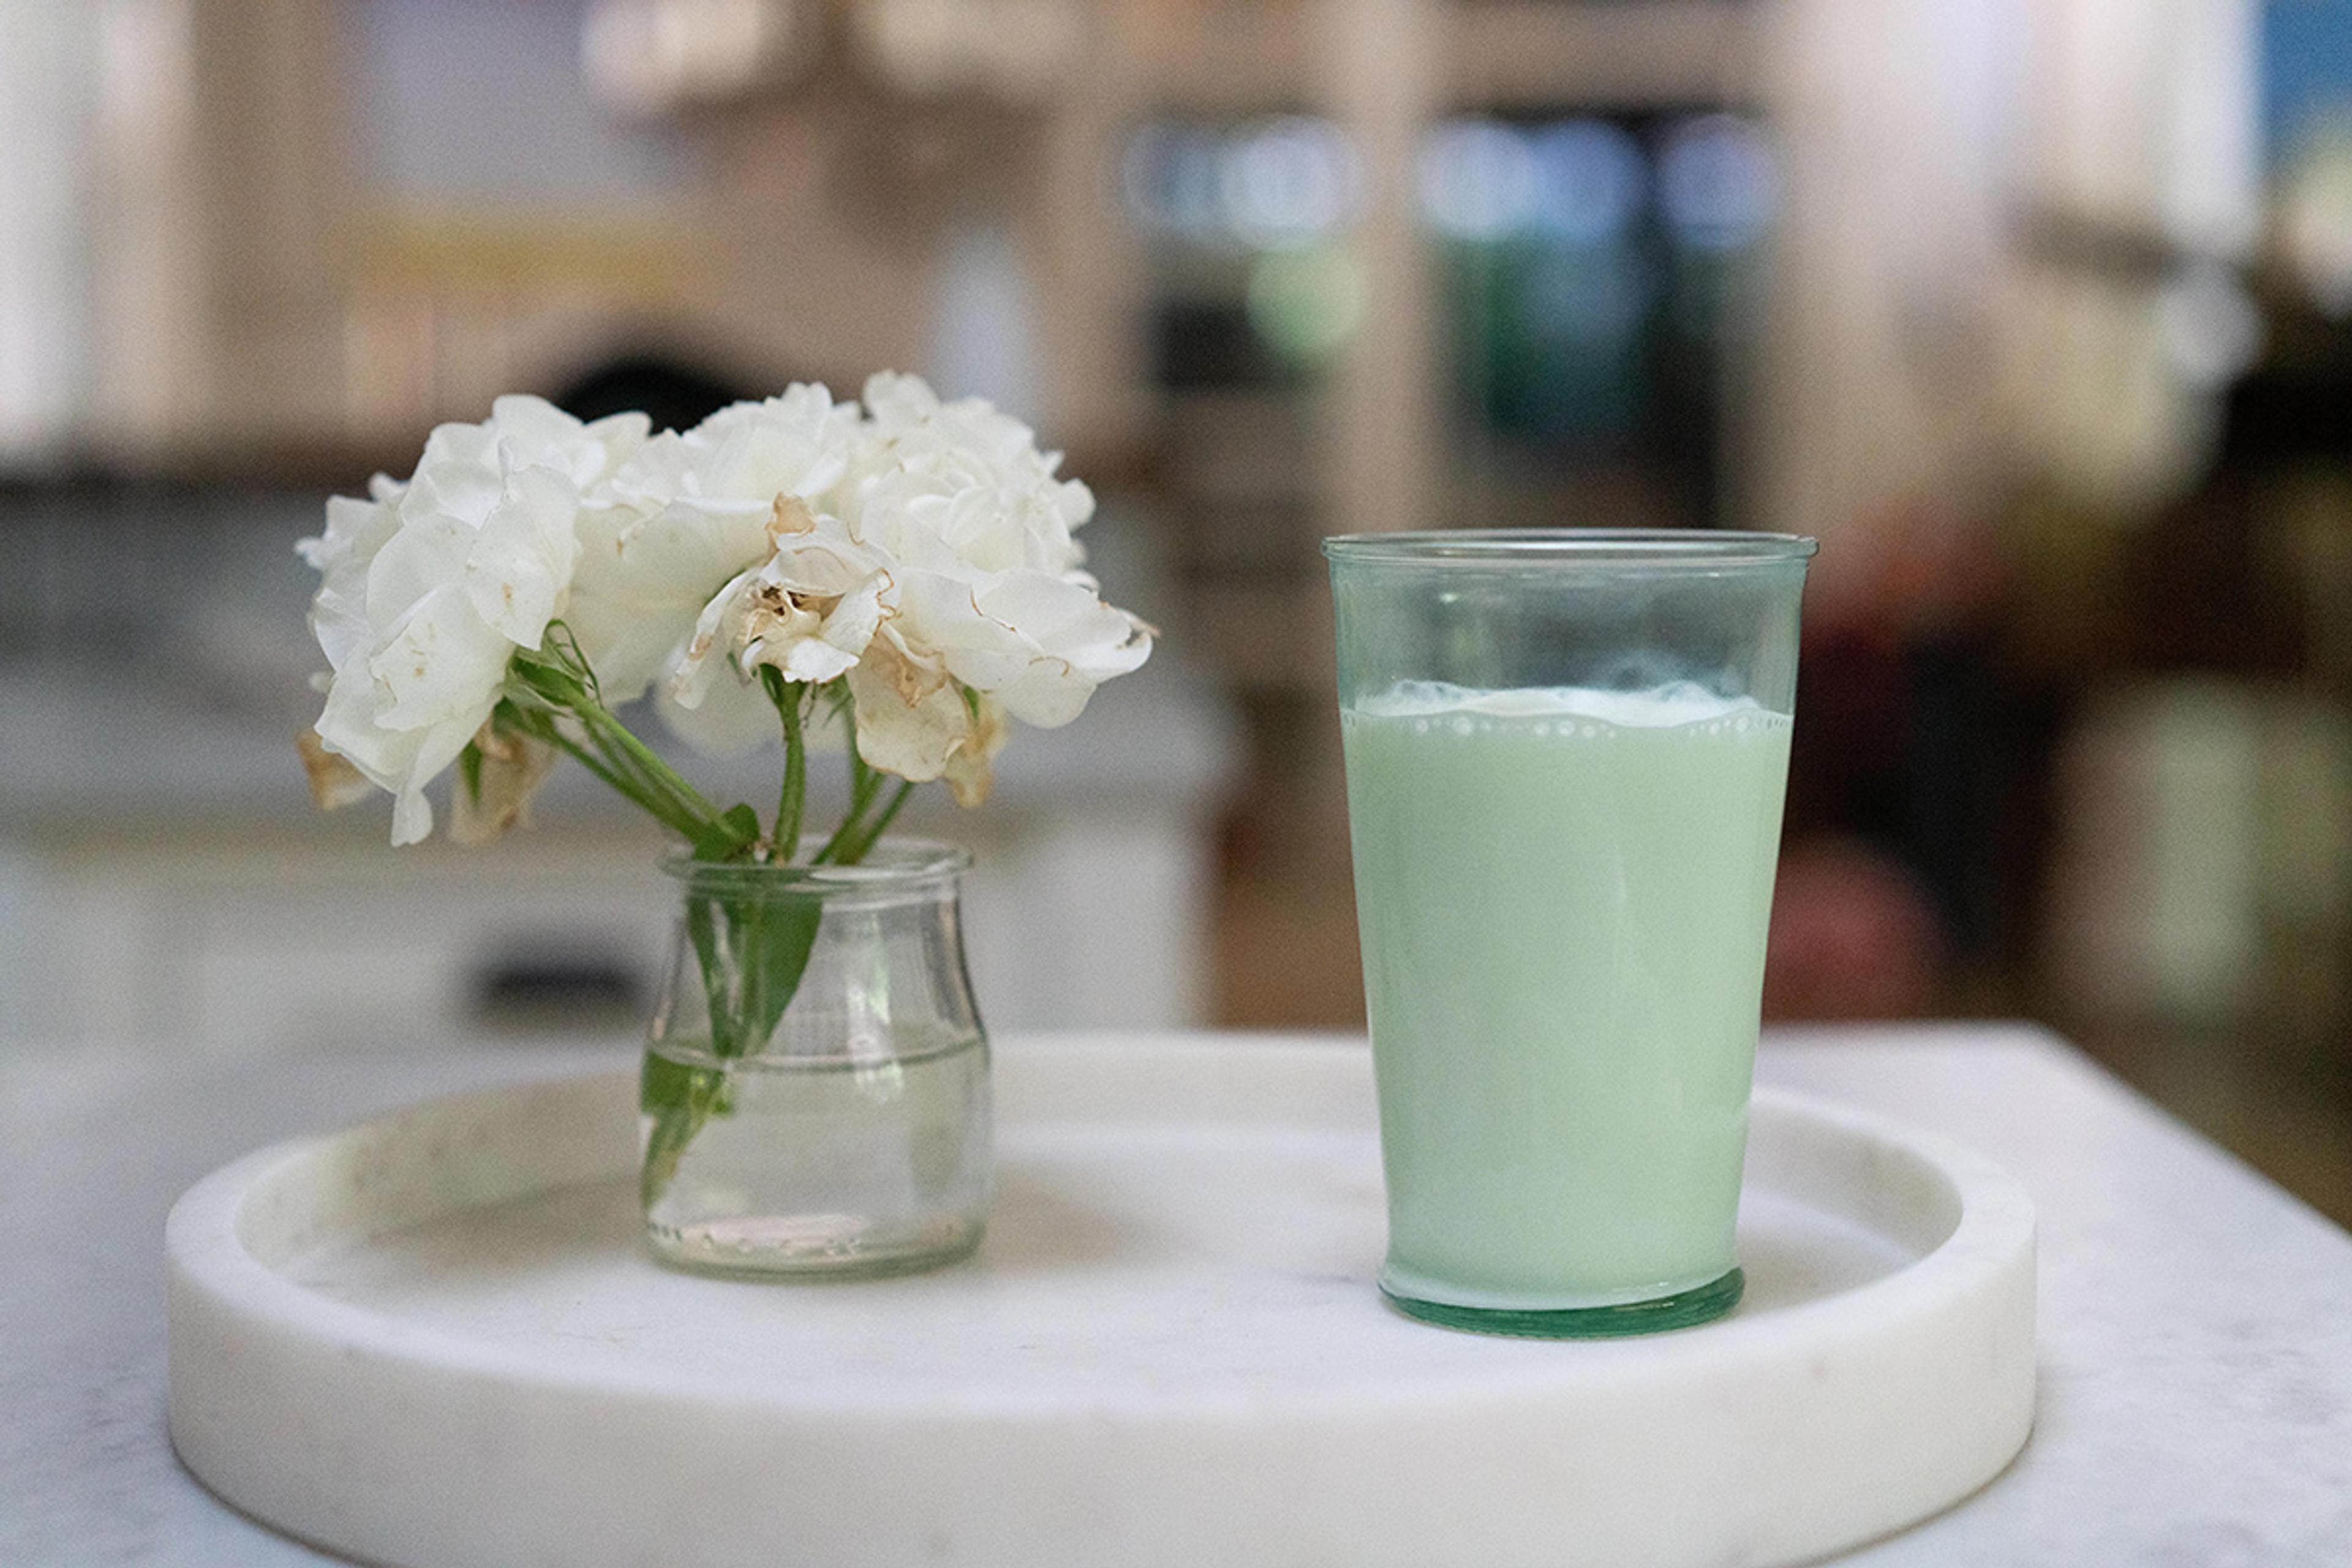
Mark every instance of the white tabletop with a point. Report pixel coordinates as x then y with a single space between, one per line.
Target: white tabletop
2196 1331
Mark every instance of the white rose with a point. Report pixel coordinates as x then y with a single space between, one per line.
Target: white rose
747 453
429 586
963 478
540 435
685 517
808 611
986 594
1038 644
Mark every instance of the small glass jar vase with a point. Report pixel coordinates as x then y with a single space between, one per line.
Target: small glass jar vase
815 1092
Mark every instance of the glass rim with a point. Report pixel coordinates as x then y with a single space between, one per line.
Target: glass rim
1702 548
892 863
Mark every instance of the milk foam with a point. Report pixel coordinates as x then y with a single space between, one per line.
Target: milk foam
1668 706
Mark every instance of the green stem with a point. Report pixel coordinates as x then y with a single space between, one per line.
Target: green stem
865 783
619 742
542 725
660 809
867 838
792 798
548 685
861 800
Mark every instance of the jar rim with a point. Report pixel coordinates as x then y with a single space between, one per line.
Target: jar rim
893 863
1700 548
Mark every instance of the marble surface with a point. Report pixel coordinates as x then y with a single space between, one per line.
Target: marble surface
1169 1351
2195 1402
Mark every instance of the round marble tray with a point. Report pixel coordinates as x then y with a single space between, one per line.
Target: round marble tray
432 1338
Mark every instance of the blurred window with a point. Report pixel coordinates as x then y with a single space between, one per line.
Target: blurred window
1251 285
1263 184
1596 273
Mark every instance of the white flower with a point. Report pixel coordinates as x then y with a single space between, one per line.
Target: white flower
1038 644
686 516
961 482
747 453
808 611
938 574
987 589
922 553
429 586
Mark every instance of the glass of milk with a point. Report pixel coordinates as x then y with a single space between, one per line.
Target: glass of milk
1566 755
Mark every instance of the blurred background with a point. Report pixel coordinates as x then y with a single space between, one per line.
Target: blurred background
2038 314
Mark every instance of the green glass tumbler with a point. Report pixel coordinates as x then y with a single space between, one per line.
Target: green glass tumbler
1565 757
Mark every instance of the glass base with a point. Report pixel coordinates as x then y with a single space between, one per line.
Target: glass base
746 1250
1684 1310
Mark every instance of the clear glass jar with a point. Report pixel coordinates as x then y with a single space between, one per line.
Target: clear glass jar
815 1092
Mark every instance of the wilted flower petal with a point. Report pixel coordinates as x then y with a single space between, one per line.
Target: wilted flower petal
971 772
808 611
910 720
512 769
334 783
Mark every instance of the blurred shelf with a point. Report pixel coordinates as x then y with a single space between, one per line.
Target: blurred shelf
1528 55
1499 57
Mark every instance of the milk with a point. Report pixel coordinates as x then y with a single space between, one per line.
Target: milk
1564 896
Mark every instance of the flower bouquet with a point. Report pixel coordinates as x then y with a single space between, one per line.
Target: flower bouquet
896 579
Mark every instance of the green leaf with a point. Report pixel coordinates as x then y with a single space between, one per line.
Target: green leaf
730 832
564 643
547 681
702 928
664 1085
752 954
778 946
679 1099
